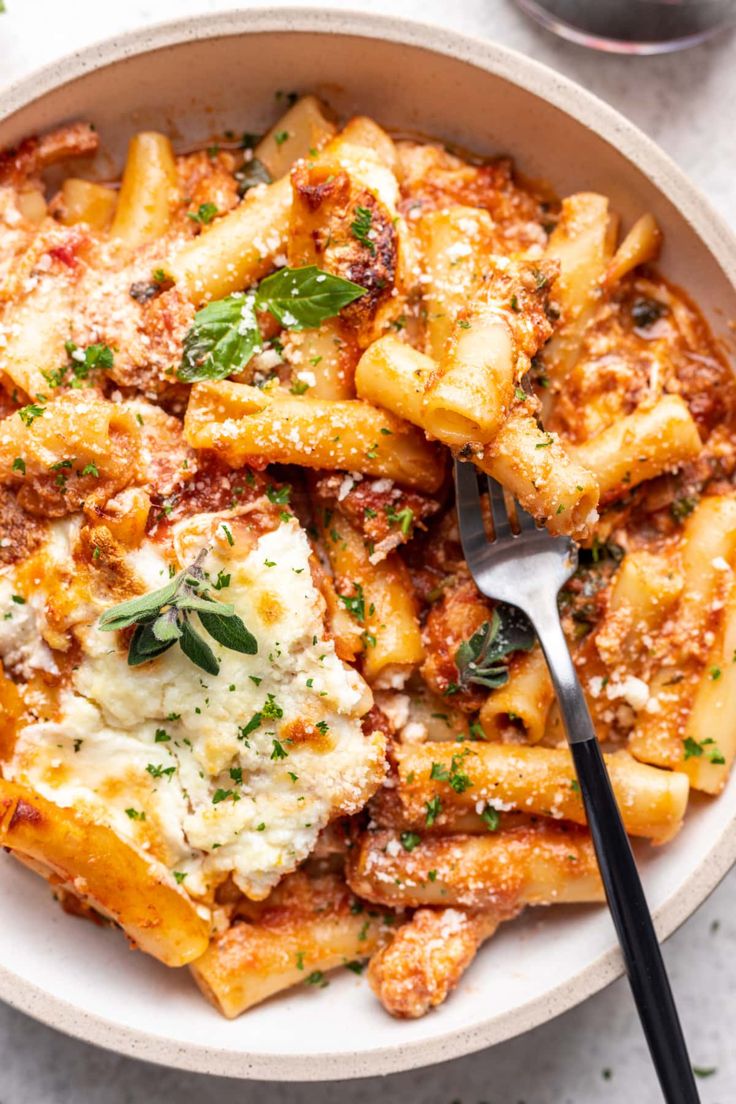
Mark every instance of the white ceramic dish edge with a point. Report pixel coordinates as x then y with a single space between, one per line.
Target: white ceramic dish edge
712 230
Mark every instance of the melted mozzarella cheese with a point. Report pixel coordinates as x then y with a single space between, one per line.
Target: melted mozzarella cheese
178 761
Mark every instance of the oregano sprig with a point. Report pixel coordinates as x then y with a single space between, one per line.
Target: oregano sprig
480 659
225 334
164 618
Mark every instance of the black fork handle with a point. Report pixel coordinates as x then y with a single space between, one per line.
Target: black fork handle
625 894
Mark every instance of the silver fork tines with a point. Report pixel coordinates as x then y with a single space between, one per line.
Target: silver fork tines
521 563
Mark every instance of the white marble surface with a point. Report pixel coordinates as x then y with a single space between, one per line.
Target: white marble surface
594 1053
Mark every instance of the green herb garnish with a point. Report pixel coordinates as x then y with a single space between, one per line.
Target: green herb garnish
355 603
696 749
204 213
225 334
480 659
490 818
163 618
360 228
410 840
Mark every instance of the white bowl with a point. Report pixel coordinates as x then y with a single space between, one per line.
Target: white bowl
214 72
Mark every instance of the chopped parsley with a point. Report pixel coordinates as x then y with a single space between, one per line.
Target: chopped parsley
694 749
251 726
490 818
279 495
434 808
271 710
355 603
204 213
410 840
317 978
403 518
455 777
157 771
361 226
223 795
29 413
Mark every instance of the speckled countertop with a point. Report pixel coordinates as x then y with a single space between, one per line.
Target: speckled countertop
594 1053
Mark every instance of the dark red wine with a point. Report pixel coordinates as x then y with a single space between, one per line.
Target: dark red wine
633 26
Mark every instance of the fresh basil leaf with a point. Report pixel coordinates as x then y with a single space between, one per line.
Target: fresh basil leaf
119 617
223 337
198 650
166 627
145 646
302 298
230 632
252 173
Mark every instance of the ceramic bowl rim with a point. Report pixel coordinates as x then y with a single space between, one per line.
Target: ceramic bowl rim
609 126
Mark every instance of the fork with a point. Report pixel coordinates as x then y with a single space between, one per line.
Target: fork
526 567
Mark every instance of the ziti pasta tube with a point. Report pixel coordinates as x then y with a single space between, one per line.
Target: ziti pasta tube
80 447
540 865
582 244
536 780
237 249
85 201
524 700
380 599
35 342
455 243
426 958
242 423
690 649
308 925
640 446
299 132
532 464
147 192
92 862
489 350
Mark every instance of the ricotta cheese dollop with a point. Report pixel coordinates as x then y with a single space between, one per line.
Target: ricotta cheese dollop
234 774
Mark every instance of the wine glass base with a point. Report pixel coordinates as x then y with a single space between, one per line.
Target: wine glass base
565 29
